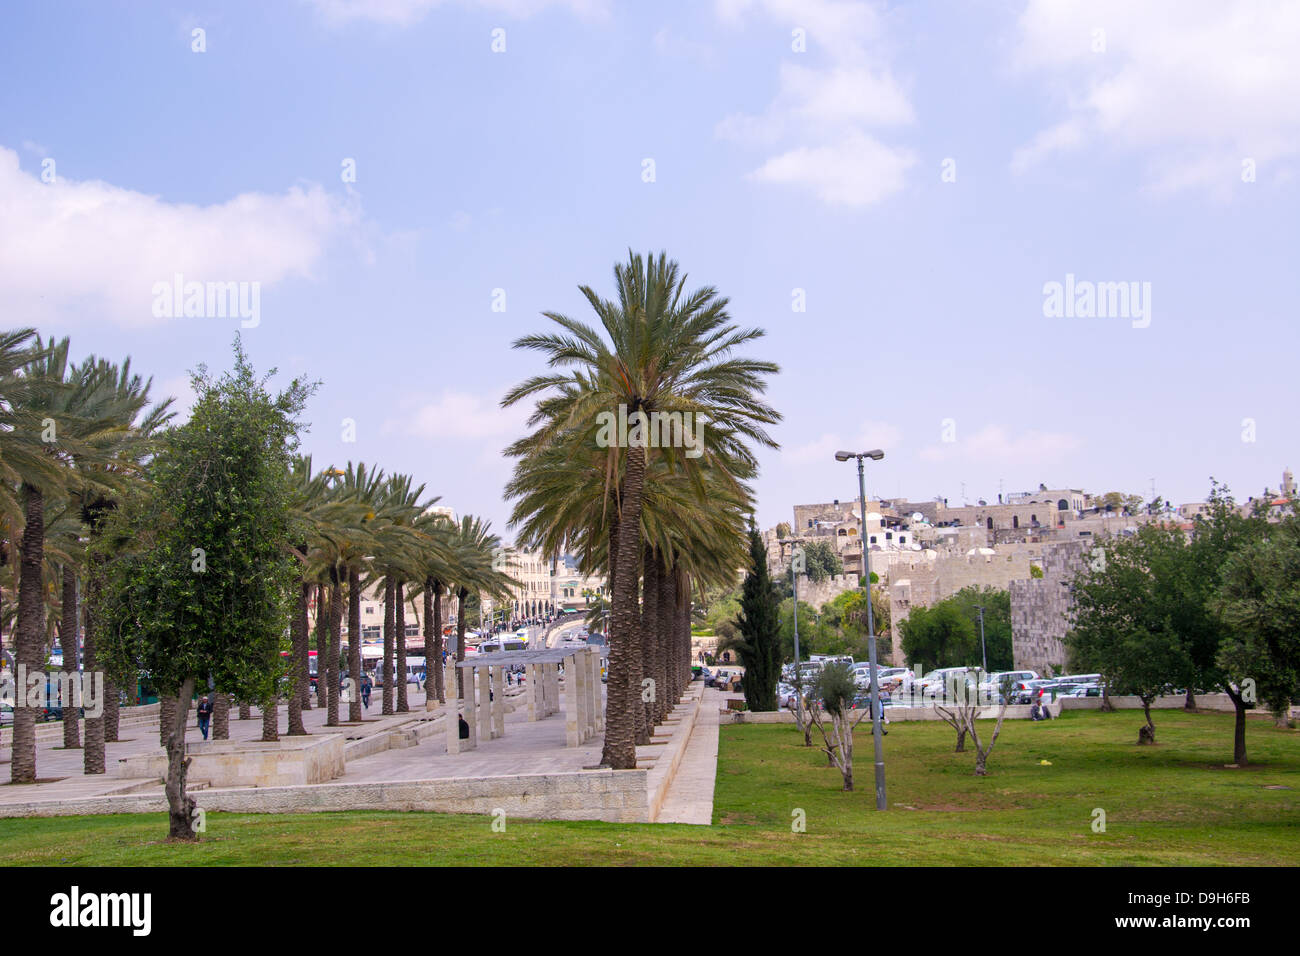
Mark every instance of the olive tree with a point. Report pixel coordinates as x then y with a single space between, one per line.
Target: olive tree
197 571
833 694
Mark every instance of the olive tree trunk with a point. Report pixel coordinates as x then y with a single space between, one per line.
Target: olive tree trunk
180 805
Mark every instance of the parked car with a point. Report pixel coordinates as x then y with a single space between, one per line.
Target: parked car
884 675
1027 691
935 684
992 685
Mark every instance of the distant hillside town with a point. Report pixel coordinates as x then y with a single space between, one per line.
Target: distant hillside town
1030 544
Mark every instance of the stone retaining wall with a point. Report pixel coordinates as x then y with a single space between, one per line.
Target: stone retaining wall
661 776
289 761
616 796
895 714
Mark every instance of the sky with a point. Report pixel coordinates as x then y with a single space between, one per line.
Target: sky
890 190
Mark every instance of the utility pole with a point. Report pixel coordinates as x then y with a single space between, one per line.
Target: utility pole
874 455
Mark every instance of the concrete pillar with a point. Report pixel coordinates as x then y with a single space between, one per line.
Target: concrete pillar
581 680
485 700
451 724
499 701
530 690
597 711
466 707
572 727
449 679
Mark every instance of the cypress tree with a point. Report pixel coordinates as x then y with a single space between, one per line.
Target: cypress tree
759 644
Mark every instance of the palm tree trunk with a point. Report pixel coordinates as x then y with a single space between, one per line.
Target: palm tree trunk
68 642
93 753
430 661
220 715
399 627
304 663
299 677
622 702
245 710
335 645
461 595
684 635
271 718
29 633
666 640
650 639
354 644
389 617
438 670
322 645
112 711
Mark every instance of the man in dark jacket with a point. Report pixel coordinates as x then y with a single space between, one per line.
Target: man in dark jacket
204 711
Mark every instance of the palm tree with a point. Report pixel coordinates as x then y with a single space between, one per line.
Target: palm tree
363 488
64 420
438 563
97 482
661 351
474 572
397 561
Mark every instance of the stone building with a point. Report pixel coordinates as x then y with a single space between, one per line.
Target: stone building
923 582
1040 608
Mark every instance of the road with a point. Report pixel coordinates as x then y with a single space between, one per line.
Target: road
566 628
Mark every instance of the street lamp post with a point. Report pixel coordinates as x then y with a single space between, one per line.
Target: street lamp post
794 587
875 455
984 654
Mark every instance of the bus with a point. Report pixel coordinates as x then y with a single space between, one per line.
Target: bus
503 644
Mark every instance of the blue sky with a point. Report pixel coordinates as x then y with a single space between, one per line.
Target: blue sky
1105 140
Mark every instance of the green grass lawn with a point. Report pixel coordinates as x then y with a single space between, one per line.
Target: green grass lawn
1171 804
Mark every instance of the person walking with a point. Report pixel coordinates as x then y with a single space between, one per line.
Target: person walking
204 712
367 685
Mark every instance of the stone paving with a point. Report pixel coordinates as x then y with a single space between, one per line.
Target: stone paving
401 747
690 795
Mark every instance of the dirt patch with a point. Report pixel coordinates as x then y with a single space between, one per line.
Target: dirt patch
738 819
955 808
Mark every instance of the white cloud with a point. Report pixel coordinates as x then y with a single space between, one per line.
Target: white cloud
857 172
825 107
403 13
871 434
459 416
996 443
93 250
1198 85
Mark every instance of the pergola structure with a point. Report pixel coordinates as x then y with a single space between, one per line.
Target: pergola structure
484 702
